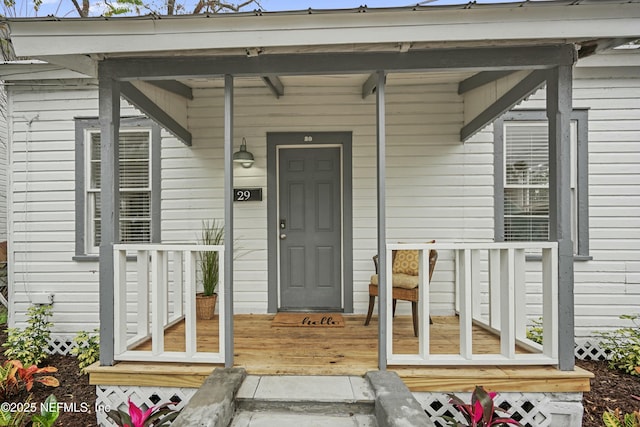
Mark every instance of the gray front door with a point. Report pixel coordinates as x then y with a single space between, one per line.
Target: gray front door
310 228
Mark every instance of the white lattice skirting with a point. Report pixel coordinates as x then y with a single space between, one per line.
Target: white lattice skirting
61 344
116 397
531 409
589 349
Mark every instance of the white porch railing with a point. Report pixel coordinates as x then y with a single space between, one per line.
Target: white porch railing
155 295
497 289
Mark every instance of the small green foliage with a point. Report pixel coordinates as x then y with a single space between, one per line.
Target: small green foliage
15 418
29 345
534 331
618 419
623 345
49 413
3 315
87 348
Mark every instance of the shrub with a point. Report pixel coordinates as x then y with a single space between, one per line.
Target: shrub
534 331
617 419
88 348
29 345
623 345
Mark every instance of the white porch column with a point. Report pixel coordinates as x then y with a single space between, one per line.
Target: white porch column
559 106
109 112
228 219
382 223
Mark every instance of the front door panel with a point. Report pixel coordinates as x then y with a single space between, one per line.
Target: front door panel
310 228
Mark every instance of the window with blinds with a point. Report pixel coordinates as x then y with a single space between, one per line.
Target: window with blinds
526 181
522 162
135 187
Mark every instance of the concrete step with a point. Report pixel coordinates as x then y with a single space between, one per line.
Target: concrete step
306 394
287 419
228 397
304 401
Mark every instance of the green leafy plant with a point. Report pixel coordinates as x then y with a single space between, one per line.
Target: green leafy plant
3 315
29 345
87 348
15 418
534 331
623 345
209 261
49 413
482 411
156 416
618 419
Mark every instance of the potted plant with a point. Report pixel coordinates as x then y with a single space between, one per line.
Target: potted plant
209 265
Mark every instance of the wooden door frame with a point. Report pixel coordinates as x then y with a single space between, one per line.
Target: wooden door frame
280 139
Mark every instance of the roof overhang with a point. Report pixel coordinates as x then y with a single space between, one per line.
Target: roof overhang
506 24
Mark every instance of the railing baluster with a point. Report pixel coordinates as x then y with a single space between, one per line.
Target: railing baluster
507 307
190 334
520 296
466 331
494 288
550 302
143 293
476 290
423 305
120 300
178 284
157 304
222 296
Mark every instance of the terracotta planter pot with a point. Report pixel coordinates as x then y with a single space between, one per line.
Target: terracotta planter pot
205 306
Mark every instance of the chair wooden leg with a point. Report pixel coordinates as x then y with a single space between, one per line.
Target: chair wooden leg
372 300
395 301
414 312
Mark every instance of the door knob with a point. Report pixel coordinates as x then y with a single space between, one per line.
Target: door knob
283 236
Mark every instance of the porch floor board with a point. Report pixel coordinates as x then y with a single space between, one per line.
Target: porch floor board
353 350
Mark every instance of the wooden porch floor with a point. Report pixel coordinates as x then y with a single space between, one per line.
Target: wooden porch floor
353 350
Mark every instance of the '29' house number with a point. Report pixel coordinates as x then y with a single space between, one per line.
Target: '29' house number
247 194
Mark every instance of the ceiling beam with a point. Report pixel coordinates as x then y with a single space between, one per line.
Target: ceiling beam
369 87
175 87
274 84
520 91
141 101
481 79
481 59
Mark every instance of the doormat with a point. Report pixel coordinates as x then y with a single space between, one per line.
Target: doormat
308 320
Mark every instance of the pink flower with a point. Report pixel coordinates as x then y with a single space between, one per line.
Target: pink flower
478 412
137 417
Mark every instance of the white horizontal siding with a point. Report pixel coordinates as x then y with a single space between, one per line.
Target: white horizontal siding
42 218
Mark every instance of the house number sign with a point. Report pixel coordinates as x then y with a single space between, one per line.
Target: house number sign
247 194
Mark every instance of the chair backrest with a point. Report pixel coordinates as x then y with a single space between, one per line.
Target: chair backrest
433 258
